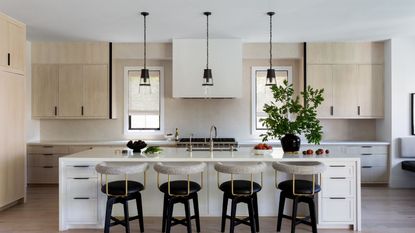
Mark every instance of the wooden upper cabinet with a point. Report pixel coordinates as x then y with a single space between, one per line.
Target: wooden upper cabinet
319 53
370 91
45 85
344 91
4 42
320 76
17 46
95 91
70 91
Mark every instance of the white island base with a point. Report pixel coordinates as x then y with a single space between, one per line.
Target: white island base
82 205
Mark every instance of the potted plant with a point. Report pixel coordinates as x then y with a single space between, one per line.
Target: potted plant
287 117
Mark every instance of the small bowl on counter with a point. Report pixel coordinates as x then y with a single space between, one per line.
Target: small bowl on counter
262 152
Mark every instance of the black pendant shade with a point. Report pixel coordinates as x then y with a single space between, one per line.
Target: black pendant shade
145 74
271 79
207 76
207 73
145 77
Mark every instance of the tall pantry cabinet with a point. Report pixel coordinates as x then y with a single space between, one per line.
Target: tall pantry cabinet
12 111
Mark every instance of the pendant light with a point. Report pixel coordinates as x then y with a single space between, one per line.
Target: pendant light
271 80
145 74
207 73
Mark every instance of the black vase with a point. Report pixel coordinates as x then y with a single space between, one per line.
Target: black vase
290 143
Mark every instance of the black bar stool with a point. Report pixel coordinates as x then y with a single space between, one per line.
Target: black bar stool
180 191
240 191
121 191
298 190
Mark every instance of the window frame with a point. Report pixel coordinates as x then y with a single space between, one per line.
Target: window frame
138 132
254 70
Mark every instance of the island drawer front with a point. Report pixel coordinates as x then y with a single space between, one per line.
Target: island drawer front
374 160
337 209
42 175
373 149
48 149
374 174
81 170
339 170
337 187
40 160
82 210
82 187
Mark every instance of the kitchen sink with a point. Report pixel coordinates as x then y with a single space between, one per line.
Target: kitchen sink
208 149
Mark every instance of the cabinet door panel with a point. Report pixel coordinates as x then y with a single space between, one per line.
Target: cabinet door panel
370 90
70 91
17 46
344 91
95 91
45 84
319 53
4 42
320 76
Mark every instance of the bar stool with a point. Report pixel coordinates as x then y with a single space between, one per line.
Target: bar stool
121 191
180 191
298 190
238 191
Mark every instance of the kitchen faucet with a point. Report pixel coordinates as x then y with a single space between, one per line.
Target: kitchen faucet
210 136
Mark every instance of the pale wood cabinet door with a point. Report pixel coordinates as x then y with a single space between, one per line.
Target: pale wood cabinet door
4 42
345 91
370 90
70 91
45 86
95 90
320 76
17 45
319 53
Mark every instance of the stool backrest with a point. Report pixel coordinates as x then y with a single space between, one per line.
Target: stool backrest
241 168
300 167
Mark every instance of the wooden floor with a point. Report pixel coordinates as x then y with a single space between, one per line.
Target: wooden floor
384 211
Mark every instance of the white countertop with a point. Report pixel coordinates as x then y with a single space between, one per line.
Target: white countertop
181 155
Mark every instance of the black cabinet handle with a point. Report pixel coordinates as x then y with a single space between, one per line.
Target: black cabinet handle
358 110
366 146
366 166
82 110
8 59
366 154
47 146
81 198
337 198
331 110
56 110
47 166
81 178
81 166
338 178
337 165
47 154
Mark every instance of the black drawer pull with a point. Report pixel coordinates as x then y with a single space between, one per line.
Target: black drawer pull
81 178
337 198
337 165
47 146
47 154
366 166
8 59
56 110
338 178
331 110
366 146
47 166
81 198
81 166
366 154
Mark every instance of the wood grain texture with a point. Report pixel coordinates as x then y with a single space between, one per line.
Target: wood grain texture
320 76
344 91
45 86
95 91
4 41
370 90
70 91
17 46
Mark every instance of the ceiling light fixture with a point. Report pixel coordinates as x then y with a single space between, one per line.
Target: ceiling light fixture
145 74
271 80
207 73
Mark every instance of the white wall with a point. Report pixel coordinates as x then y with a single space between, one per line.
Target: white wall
400 82
32 126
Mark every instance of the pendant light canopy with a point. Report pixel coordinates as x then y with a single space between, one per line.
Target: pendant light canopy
145 74
207 73
271 80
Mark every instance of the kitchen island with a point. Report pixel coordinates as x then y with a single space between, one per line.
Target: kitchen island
82 205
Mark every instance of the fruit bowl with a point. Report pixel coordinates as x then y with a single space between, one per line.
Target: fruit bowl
262 149
262 152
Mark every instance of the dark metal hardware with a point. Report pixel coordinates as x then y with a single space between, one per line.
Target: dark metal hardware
47 146
47 154
358 110
338 178
366 154
81 178
81 166
366 166
337 165
82 110
56 110
366 146
331 110
337 198
8 59
47 166
81 198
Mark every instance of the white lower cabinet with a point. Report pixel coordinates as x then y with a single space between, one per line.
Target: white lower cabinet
337 209
82 210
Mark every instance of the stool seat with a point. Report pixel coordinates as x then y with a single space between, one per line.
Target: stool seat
408 165
240 187
118 187
301 187
179 187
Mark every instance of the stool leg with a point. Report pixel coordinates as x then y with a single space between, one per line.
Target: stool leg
170 206
312 215
110 203
126 216
280 211
196 209
256 214
164 220
139 204
224 211
251 215
294 214
233 213
187 211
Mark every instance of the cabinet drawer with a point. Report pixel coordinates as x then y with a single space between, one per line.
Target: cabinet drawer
374 160
374 174
82 210
48 149
82 187
338 170
42 175
80 170
373 150
337 187
40 160
338 209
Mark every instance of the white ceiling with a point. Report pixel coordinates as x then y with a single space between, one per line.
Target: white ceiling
296 20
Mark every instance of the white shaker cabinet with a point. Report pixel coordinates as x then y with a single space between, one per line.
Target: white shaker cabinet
189 61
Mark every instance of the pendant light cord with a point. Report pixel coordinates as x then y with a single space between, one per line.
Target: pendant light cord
207 41
145 42
270 41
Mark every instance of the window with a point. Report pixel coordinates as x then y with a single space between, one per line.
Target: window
262 94
143 105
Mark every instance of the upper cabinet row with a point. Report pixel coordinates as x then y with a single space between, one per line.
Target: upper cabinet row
352 75
70 80
12 45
